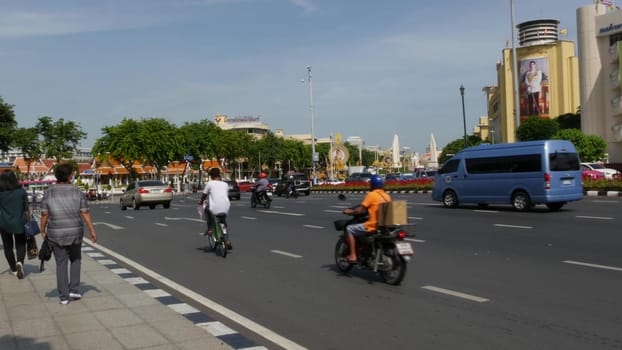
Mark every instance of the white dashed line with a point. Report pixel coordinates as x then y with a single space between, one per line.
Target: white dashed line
313 226
456 294
291 255
280 212
513 226
593 265
594 217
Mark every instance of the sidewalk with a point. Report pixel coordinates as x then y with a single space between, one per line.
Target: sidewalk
118 311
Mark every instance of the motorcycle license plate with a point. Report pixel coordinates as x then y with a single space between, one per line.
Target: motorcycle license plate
404 248
269 194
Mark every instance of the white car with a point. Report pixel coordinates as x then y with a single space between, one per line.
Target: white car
609 173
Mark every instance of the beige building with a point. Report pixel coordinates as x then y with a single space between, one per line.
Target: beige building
599 35
548 81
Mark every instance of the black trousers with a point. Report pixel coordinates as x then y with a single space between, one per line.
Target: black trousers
17 241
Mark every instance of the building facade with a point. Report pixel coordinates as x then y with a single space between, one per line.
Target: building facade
548 80
600 65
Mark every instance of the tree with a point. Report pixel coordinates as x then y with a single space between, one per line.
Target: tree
153 140
160 142
60 138
535 128
8 124
456 146
590 147
27 141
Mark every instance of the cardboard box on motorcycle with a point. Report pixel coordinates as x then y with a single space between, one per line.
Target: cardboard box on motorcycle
393 213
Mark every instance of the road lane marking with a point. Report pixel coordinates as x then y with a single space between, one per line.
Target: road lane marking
114 227
248 217
512 226
291 255
177 219
415 240
161 224
415 218
594 217
333 211
456 294
208 303
485 211
129 217
603 201
280 212
593 265
339 206
313 226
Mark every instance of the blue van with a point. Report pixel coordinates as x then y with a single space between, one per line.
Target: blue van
522 174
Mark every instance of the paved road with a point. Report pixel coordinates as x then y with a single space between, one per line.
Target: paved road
491 278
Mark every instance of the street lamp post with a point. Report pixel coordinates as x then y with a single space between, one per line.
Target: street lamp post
463 115
313 155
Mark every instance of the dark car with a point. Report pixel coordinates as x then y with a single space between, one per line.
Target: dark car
300 180
359 177
234 189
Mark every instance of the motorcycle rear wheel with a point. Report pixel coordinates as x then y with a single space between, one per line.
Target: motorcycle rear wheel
341 254
268 202
396 274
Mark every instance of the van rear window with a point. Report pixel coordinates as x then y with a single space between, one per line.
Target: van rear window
564 161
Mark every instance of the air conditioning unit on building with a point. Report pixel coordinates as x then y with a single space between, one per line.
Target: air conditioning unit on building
614 79
616 105
616 130
614 55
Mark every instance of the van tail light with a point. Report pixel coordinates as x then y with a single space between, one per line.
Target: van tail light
143 190
168 190
547 181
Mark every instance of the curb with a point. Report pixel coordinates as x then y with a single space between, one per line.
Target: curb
585 193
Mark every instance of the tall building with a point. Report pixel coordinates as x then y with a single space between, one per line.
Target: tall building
600 66
548 80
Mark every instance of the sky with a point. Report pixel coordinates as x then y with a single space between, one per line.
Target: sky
379 68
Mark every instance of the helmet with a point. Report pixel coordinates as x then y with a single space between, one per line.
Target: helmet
375 182
262 175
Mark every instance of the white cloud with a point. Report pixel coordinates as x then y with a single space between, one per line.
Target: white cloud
307 5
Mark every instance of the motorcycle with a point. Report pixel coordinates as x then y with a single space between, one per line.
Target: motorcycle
262 197
291 191
384 252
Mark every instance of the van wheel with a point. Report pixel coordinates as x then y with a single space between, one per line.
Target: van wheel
521 201
450 200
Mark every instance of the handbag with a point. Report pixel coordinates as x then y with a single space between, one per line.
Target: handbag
45 253
31 228
31 248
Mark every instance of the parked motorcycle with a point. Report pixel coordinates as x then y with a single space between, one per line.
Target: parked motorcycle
384 252
261 197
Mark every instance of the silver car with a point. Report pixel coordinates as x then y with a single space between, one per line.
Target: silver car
146 193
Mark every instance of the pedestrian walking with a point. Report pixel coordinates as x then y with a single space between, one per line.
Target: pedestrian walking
13 216
64 211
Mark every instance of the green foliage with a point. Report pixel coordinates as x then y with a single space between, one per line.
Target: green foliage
590 147
60 138
535 128
456 146
8 124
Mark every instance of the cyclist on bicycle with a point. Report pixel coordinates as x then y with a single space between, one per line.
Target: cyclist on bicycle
217 193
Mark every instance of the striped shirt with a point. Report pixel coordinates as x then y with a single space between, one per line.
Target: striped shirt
63 203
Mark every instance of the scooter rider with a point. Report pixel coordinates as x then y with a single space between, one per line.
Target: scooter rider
371 203
261 186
